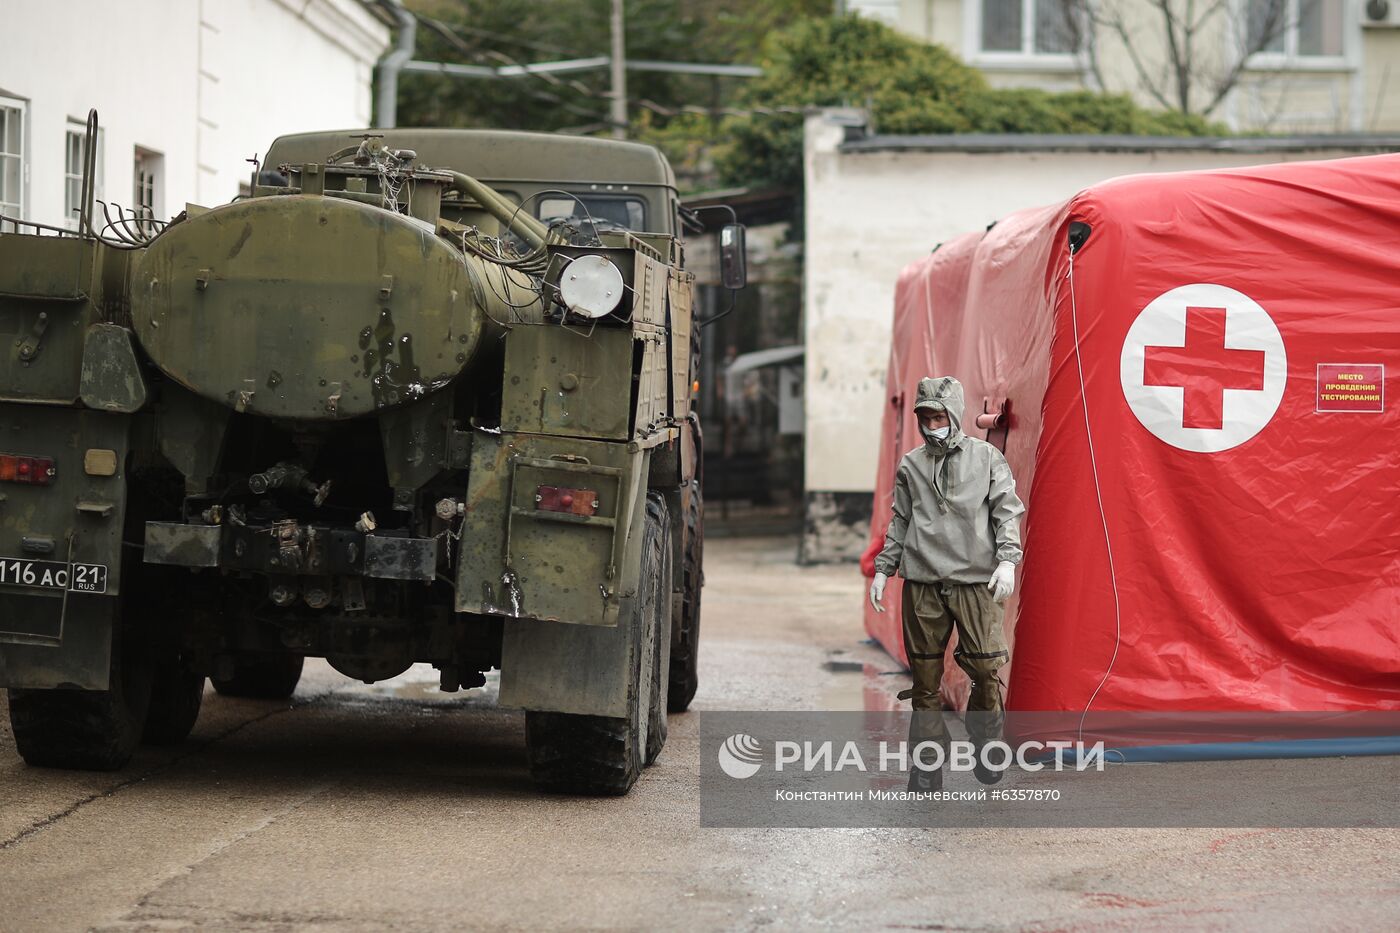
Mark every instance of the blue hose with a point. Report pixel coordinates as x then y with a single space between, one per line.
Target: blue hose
1233 751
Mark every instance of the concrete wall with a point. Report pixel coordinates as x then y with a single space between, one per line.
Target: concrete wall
868 214
204 83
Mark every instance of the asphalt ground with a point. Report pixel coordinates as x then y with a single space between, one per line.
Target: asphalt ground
394 806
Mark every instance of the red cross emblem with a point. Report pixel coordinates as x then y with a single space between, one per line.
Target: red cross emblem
1204 368
1175 367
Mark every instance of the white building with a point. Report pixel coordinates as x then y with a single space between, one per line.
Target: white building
876 203
186 90
1291 66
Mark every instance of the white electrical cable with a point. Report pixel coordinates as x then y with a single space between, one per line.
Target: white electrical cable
1098 493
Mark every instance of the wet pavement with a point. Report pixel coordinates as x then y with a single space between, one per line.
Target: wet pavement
358 807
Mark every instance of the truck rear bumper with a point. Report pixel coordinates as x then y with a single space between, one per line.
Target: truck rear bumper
292 548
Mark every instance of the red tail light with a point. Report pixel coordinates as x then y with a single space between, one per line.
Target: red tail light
31 471
564 499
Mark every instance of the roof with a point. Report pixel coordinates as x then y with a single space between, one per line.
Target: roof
1048 142
759 359
498 155
377 10
753 206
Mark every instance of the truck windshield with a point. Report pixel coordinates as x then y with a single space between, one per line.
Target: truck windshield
608 213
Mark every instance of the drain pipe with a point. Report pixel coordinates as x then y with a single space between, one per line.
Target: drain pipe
387 99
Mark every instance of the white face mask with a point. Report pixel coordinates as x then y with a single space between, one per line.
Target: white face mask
939 433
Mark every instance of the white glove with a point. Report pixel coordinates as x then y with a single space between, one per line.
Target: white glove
877 591
1002 581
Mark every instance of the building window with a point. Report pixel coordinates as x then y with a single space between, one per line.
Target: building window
73 177
12 167
1029 27
146 198
73 163
1295 29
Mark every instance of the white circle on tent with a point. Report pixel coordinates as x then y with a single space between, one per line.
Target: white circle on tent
591 286
1203 367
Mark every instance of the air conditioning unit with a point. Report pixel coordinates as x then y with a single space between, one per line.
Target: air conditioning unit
1380 14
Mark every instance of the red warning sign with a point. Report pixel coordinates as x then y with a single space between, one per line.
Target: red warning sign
1351 387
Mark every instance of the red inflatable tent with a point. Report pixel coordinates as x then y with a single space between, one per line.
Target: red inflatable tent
1202 419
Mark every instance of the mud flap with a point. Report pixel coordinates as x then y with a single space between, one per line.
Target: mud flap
61 543
81 661
566 668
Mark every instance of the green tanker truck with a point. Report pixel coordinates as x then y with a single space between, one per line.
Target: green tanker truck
418 396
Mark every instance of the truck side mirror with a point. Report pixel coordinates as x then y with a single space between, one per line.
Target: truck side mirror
733 261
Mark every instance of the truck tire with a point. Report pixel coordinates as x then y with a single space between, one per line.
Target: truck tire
657 729
87 730
262 676
176 695
685 647
603 755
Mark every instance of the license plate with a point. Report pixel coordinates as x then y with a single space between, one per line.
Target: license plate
54 575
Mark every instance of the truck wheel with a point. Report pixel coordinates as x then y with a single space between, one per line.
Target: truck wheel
262 676
176 695
685 648
661 641
602 755
88 730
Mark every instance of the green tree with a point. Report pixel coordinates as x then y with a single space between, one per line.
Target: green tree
497 32
908 87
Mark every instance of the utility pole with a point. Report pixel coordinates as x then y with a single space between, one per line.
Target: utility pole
619 72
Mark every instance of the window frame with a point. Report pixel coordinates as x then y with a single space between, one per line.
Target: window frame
155 161
21 204
1027 59
1290 59
78 128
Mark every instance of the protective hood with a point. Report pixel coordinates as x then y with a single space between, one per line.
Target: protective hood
956 513
946 393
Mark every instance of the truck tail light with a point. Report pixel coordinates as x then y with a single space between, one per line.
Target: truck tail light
30 471
565 499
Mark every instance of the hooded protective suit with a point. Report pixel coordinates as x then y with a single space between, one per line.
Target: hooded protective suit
956 518
956 513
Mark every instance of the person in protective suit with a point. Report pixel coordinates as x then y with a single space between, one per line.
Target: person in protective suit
955 538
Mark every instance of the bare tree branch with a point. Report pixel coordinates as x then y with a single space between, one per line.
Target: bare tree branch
1188 42
1114 23
1190 58
1181 77
1274 25
1218 6
1084 39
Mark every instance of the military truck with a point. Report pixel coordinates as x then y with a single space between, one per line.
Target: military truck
417 396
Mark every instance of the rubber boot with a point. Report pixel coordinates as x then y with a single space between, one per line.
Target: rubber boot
983 773
925 781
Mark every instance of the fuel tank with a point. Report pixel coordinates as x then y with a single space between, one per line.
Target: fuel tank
306 307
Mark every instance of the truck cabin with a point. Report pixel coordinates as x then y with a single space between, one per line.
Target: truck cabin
599 186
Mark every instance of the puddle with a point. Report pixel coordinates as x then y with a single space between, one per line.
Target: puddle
420 684
858 685
843 667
